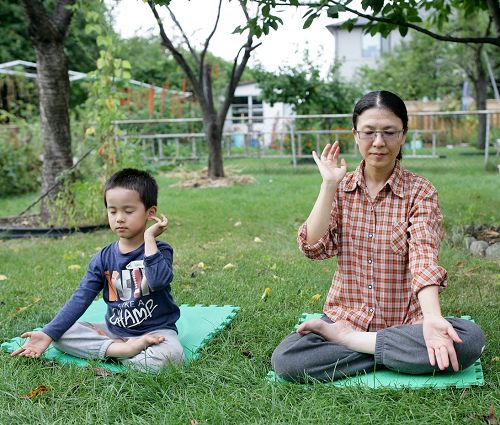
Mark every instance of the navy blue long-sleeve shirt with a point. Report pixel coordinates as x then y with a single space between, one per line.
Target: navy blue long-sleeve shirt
135 288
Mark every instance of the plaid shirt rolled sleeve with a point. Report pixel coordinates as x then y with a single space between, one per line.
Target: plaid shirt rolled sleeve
386 248
425 230
326 246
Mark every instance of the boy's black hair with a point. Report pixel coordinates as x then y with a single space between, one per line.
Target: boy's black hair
140 181
385 100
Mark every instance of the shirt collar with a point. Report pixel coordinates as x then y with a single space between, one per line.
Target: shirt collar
395 181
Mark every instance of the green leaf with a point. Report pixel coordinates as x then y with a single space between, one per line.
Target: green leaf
403 30
333 12
310 19
377 6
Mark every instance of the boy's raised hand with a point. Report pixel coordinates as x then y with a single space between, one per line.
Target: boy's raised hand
158 228
35 346
328 164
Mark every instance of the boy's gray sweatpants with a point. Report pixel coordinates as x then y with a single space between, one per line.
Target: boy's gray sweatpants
399 348
91 340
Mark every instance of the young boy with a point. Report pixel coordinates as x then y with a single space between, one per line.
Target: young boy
134 274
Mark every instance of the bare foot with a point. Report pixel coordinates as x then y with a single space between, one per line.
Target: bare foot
341 332
133 346
338 332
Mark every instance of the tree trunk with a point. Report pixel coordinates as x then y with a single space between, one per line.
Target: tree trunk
212 125
213 132
47 33
53 86
481 90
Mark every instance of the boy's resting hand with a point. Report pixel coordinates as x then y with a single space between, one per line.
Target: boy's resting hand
35 346
158 228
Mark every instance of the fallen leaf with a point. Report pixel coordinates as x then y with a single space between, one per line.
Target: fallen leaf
237 224
36 300
246 353
460 264
3 277
228 266
491 419
495 359
491 233
265 295
74 267
21 309
257 239
201 265
194 422
273 267
35 392
100 371
314 298
468 272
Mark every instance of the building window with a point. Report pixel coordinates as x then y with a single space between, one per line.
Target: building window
248 107
371 45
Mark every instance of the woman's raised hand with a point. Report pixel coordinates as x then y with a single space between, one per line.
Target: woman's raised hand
328 164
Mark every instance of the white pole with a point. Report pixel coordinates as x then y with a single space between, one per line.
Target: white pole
487 141
292 143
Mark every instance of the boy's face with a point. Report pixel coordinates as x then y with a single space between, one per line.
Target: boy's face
127 215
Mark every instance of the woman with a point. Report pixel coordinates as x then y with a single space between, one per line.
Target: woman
384 225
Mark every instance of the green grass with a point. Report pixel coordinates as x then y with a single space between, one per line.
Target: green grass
227 385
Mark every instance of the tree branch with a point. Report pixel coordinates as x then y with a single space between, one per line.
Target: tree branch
207 41
494 8
179 58
237 70
477 40
40 26
193 52
63 14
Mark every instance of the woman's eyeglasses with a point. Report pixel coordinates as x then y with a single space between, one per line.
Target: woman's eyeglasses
388 135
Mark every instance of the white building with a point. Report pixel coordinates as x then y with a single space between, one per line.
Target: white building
355 49
251 118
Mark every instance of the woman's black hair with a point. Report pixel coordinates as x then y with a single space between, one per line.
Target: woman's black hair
385 100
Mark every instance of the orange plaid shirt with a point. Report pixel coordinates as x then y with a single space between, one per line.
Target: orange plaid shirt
387 249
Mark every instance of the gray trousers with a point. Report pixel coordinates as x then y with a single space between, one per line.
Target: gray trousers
399 348
91 340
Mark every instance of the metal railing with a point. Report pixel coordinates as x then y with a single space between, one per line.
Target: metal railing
284 137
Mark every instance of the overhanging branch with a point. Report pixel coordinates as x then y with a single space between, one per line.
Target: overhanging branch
179 58
476 40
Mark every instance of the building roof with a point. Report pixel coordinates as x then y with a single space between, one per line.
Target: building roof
360 22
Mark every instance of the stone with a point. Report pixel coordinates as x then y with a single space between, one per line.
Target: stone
493 251
468 240
457 237
478 247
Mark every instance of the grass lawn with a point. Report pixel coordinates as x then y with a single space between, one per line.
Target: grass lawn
226 384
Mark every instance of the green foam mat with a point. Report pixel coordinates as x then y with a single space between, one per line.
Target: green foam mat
471 376
197 325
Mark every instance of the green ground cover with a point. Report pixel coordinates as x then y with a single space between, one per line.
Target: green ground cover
227 384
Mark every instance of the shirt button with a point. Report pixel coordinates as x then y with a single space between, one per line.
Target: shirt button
370 286
370 261
370 235
371 310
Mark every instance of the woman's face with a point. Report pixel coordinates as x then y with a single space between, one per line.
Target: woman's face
379 136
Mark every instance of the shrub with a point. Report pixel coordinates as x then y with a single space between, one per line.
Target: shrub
20 168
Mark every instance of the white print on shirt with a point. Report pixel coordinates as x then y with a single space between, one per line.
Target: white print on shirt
128 314
128 282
